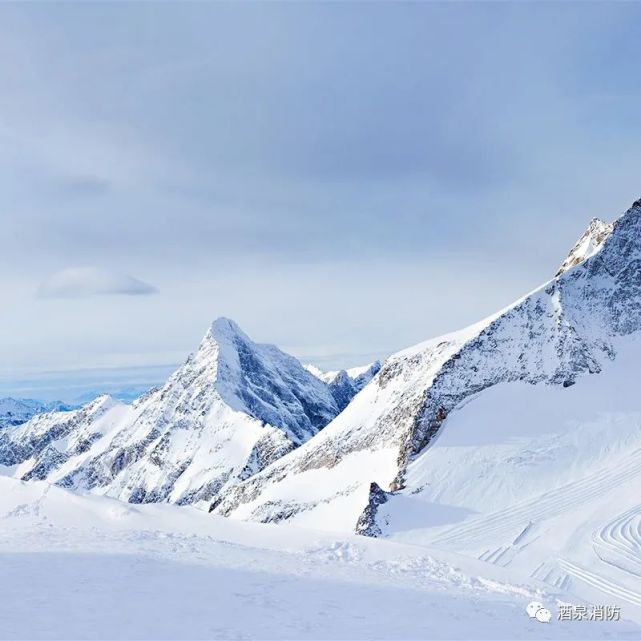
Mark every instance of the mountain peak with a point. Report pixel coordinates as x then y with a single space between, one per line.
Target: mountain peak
257 379
224 328
589 243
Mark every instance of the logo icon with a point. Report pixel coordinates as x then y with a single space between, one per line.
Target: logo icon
538 611
543 615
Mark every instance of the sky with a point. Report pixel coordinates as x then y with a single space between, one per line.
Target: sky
342 179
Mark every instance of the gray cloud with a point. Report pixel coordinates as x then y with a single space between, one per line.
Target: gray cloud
82 282
86 186
301 167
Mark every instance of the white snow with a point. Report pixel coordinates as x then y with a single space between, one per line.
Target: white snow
539 479
87 567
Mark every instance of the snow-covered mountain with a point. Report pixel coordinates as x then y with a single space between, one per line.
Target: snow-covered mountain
14 411
231 409
346 383
579 323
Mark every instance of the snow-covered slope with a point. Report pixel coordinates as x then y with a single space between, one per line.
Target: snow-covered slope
89 567
14 411
570 327
542 480
231 409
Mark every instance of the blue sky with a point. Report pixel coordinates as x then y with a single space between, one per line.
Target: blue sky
343 180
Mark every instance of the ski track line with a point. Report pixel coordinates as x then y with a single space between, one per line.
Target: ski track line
509 521
599 582
619 542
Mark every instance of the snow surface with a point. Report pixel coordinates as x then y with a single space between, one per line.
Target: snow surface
551 490
88 567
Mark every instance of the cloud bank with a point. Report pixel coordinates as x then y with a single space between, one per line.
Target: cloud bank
342 180
82 282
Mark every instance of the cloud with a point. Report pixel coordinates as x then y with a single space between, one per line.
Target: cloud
86 185
261 157
82 282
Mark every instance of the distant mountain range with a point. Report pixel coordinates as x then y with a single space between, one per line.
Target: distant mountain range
14 411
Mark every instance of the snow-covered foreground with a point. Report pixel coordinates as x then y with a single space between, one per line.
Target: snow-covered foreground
91 567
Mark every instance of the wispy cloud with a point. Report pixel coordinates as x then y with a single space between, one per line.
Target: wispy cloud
82 282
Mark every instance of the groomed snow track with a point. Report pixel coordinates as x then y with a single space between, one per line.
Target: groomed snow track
505 526
504 533
619 542
600 583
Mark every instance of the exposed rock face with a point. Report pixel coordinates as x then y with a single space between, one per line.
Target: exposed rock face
233 408
560 332
367 524
589 243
